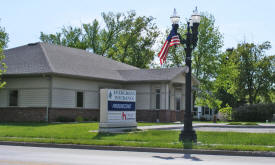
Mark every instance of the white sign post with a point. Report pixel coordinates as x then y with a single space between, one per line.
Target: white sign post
117 110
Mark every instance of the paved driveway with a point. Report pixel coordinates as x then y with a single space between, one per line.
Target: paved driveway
226 129
217 127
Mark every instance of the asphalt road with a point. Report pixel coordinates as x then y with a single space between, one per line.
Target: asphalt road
19 155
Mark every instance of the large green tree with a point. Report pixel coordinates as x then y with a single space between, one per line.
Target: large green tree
126 38
246 75
225 84
204 59
3 43
256 72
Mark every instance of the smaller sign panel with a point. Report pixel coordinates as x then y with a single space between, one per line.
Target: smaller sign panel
121 106
121 95
121 116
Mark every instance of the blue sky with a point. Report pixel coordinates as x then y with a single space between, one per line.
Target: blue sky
238 20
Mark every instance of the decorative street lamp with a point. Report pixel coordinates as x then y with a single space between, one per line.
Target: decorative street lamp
188 135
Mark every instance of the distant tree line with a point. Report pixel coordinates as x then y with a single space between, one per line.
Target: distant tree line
127 38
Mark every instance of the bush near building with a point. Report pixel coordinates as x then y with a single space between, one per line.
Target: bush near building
225 114
254 113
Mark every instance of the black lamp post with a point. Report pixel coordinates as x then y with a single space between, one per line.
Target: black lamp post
188 135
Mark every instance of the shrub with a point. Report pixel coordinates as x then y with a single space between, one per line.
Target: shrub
79 119
254 113
64 119
226 112
86 119
95 119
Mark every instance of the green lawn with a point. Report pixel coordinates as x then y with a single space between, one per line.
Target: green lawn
78 133
209 121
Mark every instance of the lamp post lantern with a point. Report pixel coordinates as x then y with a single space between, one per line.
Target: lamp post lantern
188 135
175 18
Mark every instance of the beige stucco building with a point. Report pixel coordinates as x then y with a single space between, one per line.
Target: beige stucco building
45 82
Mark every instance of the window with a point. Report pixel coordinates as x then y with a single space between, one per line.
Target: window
79 99
207 111
157 98
203 112
195 112
178 98
13 98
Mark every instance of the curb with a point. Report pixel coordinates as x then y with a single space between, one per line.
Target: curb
143 149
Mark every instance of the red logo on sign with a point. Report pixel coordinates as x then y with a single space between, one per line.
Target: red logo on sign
123 116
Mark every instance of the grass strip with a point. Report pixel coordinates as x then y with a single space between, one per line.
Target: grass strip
78 133
176 145
242 123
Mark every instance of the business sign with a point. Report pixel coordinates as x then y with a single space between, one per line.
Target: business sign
117 110
121 105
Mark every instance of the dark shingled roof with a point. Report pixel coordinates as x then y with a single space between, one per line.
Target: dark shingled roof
43 58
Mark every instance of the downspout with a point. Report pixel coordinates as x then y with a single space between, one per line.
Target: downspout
49 98
47 114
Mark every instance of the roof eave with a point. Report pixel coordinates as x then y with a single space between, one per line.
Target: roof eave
58 74
79 76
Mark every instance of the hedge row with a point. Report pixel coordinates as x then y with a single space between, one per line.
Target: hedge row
254 113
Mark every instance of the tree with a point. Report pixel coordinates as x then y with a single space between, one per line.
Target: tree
3 43
225 84
70 37
126 38
246 75
133 44
204 59
256 72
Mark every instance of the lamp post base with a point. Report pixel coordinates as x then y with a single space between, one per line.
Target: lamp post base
188 137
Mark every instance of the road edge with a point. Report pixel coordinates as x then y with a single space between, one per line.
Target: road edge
142 149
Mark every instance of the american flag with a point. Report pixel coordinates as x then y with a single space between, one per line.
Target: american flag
172 39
